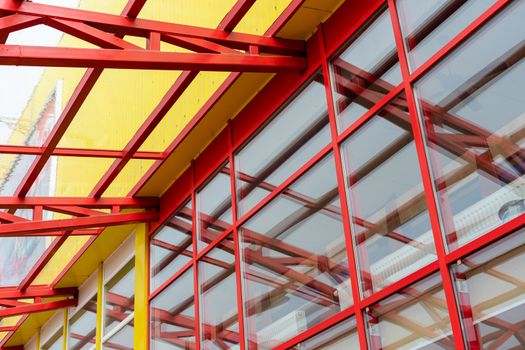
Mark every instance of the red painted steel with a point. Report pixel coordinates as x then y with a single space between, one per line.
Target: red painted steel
36 292
22 228
38 307
106 202
142 59
424 165
78 152
122 25
235 15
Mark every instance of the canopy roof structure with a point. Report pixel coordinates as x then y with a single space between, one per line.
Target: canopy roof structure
77 159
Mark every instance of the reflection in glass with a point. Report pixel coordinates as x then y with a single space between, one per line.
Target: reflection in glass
171 247
292 138
218 303
18 256
366 71
490 289
429 25
122 339
342 336
172 315
82 327
390 221
415 318
214 207
56 342
295 261
473 107
119 296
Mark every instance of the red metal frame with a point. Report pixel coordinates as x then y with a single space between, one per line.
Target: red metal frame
272 97
214 49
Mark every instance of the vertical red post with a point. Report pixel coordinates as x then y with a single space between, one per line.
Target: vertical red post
352 260
427 182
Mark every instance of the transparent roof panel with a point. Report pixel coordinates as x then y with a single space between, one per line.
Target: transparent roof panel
13 168
70 176
18 255
128 177
133 95
32 100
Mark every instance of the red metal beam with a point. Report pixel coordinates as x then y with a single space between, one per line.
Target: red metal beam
133 8
182 82
236 14
16 22
75 102
91 35
144 59
107 202
77 152
122 26
23 228
36 292
38 307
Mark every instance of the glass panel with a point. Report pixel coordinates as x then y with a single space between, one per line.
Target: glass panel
71 176
119 296
391 226
56 342
473 106
31 101
171 247
214 207
366 71
429 25
122 340
18 255
295 261
82 329
13 168
173 318
342 336
283 146
490 288
132 96
218 305
415 318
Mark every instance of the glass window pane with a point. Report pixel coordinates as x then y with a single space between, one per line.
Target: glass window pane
296 134
122 340
56 342
342 336
415 318
490 288
214 207
366 71
295 261
473 107
391 226
171 247
173 315
82 327
429 25
18 255
119 297
218 305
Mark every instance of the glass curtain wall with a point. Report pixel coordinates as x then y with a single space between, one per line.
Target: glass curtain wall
379 207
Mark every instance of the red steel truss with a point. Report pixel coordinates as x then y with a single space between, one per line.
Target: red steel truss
214 49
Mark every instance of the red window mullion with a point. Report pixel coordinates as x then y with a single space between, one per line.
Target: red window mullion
448 288
236 242
196 295
354 280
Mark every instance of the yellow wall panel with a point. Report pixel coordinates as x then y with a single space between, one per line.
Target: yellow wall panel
261 16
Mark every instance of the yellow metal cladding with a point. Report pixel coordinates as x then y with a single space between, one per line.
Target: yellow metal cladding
141 288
